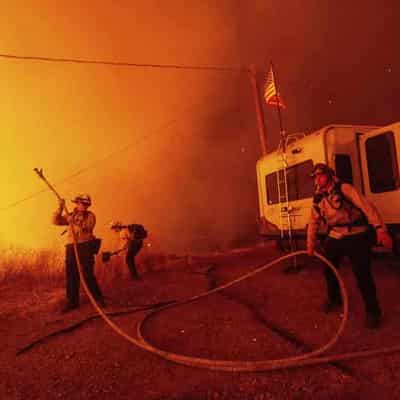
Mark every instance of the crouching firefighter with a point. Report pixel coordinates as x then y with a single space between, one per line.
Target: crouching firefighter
131 237
82 222
348 215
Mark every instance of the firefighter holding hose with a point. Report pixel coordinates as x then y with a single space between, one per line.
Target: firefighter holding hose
81 223
348 216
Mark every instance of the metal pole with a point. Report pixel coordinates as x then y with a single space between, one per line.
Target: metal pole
283 147
282 132
259 110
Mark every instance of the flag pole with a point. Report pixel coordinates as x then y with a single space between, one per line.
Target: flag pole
293 245
282 132
259 110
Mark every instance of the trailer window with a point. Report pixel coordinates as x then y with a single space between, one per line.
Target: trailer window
292 183
304 183
300 185
383 171
343 168
272 188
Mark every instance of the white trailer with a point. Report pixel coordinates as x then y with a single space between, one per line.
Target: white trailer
366 156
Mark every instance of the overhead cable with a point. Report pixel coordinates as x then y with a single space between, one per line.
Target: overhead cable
122 63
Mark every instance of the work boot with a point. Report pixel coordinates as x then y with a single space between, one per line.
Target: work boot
373 321
69 307
101 302
331 306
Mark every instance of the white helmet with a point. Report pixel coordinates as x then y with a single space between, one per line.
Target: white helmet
82 198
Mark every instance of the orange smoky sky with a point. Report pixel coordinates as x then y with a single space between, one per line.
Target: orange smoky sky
150 145
175 149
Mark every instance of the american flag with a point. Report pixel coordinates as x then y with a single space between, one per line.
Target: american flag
271 95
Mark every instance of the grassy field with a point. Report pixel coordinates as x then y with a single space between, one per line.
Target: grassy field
31 266
45 267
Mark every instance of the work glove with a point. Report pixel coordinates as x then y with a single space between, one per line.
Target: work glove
384 239
61 204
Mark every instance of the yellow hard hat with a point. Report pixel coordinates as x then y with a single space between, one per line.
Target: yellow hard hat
82 198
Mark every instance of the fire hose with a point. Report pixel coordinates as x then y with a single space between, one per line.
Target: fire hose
311 358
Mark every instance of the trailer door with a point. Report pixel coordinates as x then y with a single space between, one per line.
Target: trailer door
379 150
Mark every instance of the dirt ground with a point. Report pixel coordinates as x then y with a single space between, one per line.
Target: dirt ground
48 355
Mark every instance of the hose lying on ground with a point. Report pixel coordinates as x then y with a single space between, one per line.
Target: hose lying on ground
243 366
250 366
226 365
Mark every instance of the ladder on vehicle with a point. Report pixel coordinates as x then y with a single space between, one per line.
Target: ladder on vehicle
285 220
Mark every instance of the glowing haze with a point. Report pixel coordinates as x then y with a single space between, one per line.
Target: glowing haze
175 149
146 142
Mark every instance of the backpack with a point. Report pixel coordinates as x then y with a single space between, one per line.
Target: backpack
362 221
138 231
344 202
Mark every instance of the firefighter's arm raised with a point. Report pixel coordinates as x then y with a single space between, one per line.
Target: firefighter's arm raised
58 217
371 212
312 228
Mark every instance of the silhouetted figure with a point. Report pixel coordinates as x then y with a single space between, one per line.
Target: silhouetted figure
132 237
82 222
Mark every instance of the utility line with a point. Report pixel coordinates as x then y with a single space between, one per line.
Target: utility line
122 63
111 63
104 158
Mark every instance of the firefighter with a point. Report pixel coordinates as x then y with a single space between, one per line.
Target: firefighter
82 222
132 241
348 215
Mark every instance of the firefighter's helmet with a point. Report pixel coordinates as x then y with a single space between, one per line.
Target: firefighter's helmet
82 198
321 168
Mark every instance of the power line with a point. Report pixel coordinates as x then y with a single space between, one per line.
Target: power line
100 160
122 63
111 63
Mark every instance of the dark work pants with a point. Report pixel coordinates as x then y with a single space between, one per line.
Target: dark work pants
357 248
86 258
133 249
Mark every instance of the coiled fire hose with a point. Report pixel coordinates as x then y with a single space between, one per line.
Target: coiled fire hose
228 365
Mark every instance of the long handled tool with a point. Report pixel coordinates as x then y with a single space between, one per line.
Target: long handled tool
51 187
39 172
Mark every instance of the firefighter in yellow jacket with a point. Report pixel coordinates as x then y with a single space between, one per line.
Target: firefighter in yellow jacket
347 214
82 222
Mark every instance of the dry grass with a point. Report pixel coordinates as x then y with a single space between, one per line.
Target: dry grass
45 267
31 267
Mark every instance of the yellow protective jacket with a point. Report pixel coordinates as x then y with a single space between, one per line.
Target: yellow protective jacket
342 217
83 224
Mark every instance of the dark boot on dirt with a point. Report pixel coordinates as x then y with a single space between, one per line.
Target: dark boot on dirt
373 321
67 307
101 302
331 306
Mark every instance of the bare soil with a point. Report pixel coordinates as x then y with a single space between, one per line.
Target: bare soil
48 355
